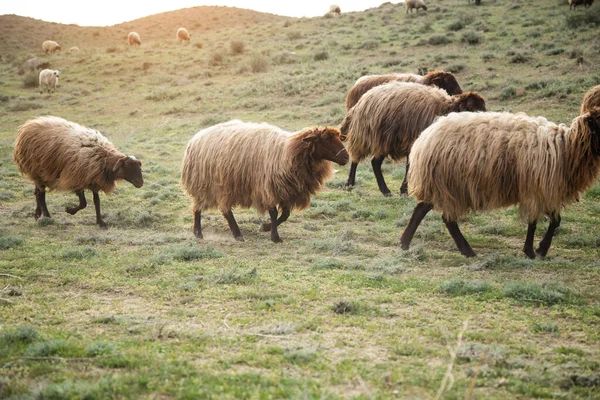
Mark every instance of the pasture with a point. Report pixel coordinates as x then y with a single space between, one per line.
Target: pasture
144 310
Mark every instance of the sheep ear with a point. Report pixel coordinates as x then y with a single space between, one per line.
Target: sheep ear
313 135
119 164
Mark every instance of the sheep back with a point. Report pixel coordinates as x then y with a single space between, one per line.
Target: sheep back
63 155
134 38
183 34
249 165
368 82
50 46
591 99
482 161
388 119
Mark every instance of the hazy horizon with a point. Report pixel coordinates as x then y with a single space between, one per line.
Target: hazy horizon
111 12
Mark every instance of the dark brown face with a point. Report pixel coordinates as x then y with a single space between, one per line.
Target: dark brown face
471 102
449 84
130 169
329 146
593 122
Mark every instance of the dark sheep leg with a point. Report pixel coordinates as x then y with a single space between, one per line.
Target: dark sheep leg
40 197
274 234
547 240
352 175
376 163
235 229
528 247
417 216
459 239
82 203
198 225
99 219
285 213
404 187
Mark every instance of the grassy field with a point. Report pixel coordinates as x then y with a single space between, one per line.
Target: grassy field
143 310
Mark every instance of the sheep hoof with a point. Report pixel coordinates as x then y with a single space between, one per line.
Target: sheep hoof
277 240
198 234
265 227
38 214
239 238
530 254
71 210
405 246
388 194
469 254
541 254
102 225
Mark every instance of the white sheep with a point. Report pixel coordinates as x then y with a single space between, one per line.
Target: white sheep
48 80
133 38
50 46
183 35
415 4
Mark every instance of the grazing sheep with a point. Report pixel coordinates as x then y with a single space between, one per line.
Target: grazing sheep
134 39
32 64
441 79
74 49
389 118
259 166
183 35
50 47
48 80
415 4
335 9
591 99
484 161
574 3
62 155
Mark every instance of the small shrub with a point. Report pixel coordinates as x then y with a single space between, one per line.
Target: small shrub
581 20
437 40
370 45
548 294
31 79
322 55
237 47
95 349
544 327
216 59
78 253
48 348
455 26
234 277
19 334
294 35
460 287
198 45
471 38
259 63
508 93
8 242
345 307
111 50
520 58
193 252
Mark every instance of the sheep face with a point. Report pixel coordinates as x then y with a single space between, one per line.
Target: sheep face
327 145
469 102
56 73
58 48
130 169
592 121
446 81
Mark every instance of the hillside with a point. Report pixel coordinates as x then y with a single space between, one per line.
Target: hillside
144 310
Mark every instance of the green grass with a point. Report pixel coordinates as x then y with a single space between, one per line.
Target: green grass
144 310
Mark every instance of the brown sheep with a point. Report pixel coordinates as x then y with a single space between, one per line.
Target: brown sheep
574 3
389 118
50 47
183 35
62 155
414 4
259 166
335 9
441 79
133 38
483 161
591 99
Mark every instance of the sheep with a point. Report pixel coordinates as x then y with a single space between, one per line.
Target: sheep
484 161
591 99
388 119
32 64
48 80
50 47
62 155
335 9
183 35
74 49
415 4
574 3
442 79
134 39
259 166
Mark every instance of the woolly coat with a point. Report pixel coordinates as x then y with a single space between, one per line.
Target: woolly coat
388 118
591 99
251 165
63 155
134 38
483 161
410 4
50 46
441 79
183 34
48 79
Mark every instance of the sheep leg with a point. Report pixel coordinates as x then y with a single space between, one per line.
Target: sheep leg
197 225
285 213
404 187
547 240
528 247
40 198
274 234
376 163
417 216
235 229
99 219
459 239
82 203
352 175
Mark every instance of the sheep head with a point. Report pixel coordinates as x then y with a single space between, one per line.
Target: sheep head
591 120
469 101
443 80
326 144
130 169
56 73
58 48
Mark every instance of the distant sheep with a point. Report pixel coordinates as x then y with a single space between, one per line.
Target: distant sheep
48 80
574 3
335 9
591 99
33 64
259 166
62 155
389 118
134 39
183 35
441 79
50 47
74 49
483 161
415 4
